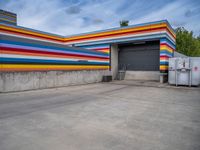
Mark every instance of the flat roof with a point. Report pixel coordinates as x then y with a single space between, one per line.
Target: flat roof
93 32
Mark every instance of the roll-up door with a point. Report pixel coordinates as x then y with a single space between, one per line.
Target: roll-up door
140 56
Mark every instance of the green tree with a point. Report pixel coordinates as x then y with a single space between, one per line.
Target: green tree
124 23
187 43
198 37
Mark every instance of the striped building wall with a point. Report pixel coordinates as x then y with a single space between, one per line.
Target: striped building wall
98 42
167 49
20 54
154 30
157 30
8 17
105 48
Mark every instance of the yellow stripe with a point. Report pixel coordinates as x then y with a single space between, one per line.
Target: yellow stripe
53 67
4 19
163 67
166 48
105 51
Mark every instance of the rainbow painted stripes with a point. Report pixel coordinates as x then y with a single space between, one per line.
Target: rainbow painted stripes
19 54
24 49
8 17
166 51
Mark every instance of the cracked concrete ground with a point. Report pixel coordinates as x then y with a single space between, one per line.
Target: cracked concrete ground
102 116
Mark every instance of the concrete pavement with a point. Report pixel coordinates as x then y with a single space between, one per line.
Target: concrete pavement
102 116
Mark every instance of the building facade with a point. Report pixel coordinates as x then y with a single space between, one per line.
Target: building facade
49 60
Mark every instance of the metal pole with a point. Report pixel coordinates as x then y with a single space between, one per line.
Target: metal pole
190 84
176 71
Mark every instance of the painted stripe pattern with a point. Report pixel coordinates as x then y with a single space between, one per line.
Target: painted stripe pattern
27 47
98 47
105 48
151 30
8 18
26 55
166 51
122 34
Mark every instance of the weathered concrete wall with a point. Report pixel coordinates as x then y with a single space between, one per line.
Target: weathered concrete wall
114 60
142 75
20 81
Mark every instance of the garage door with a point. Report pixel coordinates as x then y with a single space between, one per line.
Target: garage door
140 56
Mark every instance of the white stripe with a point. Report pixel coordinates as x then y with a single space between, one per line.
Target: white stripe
164 60
165 55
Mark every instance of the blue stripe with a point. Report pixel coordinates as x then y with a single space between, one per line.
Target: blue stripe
7 22
23 60
166 52
164 63
8 17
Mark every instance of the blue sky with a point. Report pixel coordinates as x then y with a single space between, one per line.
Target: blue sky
68 17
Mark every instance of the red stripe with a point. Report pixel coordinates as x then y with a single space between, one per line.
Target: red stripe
47 55
171 33
164 57
44 52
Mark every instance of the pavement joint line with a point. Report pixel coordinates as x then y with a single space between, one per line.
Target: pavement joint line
139 99
160 86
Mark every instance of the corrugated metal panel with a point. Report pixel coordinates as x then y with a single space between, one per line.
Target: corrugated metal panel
140 57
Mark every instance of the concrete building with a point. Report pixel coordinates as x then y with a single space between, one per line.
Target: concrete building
32 59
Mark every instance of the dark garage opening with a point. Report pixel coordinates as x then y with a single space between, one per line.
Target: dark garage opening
143 56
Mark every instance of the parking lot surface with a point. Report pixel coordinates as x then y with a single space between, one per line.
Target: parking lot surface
101 116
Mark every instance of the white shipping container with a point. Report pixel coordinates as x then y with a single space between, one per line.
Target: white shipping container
184 71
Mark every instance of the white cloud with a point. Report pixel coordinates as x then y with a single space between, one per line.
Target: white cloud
66 17
175 13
